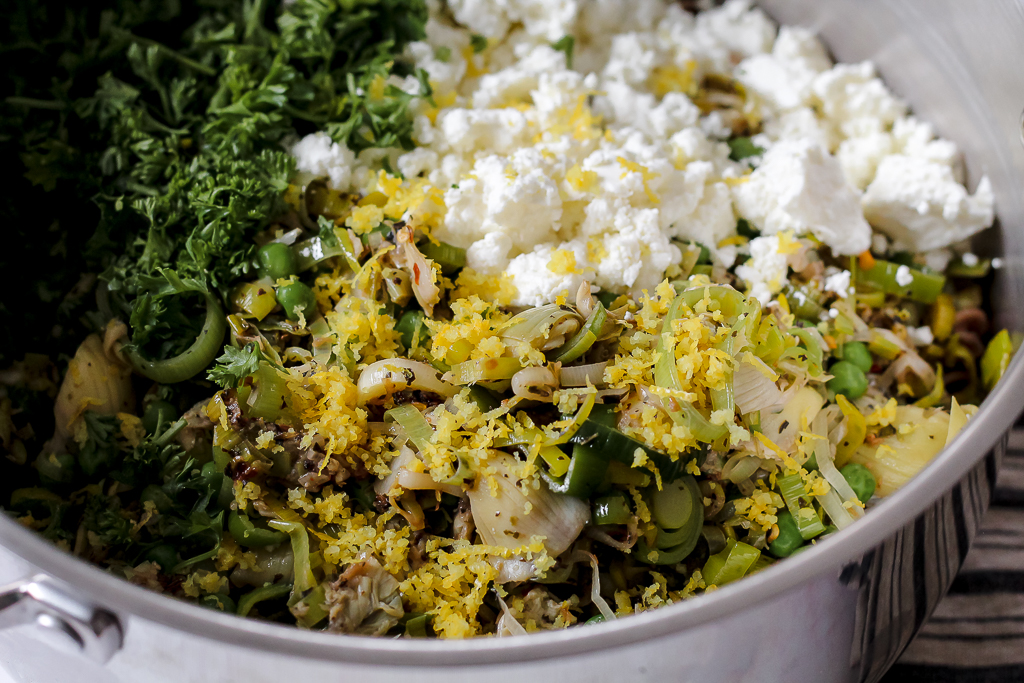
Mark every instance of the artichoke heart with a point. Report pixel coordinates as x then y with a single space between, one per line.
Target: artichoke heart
516 512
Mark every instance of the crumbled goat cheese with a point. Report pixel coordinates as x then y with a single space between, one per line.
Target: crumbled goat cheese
903 276
838 283
800 187
969 259
921 206
921 336
614 161
320 156
765 272
937 259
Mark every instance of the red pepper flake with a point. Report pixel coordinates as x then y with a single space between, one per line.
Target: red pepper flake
416 272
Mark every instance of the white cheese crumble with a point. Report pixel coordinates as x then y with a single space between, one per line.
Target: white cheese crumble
921 336
613 160
838 283
800 187
921 206
765 272
903 276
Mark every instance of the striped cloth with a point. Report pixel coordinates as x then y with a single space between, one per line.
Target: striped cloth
977 632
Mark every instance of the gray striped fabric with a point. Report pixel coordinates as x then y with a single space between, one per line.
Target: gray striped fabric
977 633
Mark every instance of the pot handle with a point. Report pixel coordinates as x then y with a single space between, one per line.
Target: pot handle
92 631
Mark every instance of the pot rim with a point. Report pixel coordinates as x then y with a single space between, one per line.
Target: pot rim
989 426
983 431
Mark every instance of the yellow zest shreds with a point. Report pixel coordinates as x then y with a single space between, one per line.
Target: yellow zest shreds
563 262
325 402
496 289
646 174
454 580
882 416
671 78
582 181
245 492
788 244
442 100
353 535
132 430
655 428
204 582
365 218
474 325
581 123
596 251
760 507
365 332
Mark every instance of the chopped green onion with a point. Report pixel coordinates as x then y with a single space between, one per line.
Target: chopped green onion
483 399
722 398
612 509
924 287
302 572
934 397
483 370
961 269
194 359
348 250
581 342
413 329
248 535
534 324
255 298
880 345
557 461
672 555
413 423
311 608
270 592
449 257
675 505
267 398
798 502
666 375
417 625
315 250
585 473
731 564
811 354
742 148
996 359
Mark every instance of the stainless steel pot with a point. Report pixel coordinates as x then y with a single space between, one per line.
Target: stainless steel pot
842 611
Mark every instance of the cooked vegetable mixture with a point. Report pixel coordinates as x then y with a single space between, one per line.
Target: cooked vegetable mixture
467 318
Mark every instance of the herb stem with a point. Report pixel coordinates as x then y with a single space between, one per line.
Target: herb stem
33 103
173 54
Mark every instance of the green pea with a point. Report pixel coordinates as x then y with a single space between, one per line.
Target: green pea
276 261
848 380
596 619
296 298
249 535
857 353
158 414
789 538
158 497
164 555
219 602
860 480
